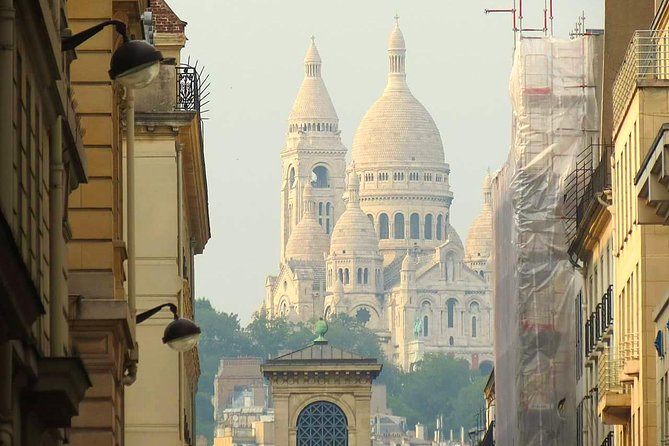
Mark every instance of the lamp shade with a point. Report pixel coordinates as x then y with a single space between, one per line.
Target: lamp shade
135 64
181 334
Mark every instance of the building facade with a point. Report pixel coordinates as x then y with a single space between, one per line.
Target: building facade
172 225
385 253
42 161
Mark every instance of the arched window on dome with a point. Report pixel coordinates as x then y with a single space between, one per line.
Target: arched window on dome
359 281
320 177
346 277
473 326
365 278
450 305
328 218
440 224
427 231
399 226
426 321
414 226
384 230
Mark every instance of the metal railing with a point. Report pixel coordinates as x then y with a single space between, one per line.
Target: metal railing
591 176
608 440
609 373
188 88
646 59
599 321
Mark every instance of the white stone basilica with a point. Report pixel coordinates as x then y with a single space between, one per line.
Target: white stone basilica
374 241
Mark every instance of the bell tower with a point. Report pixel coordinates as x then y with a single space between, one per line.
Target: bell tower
313 154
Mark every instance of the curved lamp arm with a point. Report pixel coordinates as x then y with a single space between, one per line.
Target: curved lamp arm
141 317
70 43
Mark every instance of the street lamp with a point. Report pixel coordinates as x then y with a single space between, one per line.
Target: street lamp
134 64
181 334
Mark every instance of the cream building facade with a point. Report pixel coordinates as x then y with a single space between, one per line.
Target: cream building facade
172 224
373 240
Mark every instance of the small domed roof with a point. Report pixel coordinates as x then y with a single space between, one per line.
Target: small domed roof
408 263
397 129
479 238
396 39
313 102
308 241
354 232
487 183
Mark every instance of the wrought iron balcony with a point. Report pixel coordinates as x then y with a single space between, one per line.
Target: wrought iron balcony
646 60
192 88
600 322
586 194
608 440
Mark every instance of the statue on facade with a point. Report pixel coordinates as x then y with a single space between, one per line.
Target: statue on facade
418 328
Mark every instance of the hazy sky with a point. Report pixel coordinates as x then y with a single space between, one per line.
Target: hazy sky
458 63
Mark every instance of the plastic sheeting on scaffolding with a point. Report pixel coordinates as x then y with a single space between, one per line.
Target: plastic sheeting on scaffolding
554 117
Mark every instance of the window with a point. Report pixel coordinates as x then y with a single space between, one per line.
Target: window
328 217
414 226
362 315
473 326
399 226
322 423
383 176
425 326
427 230
398 176
451 312
440 222
413 176
438 178
427 177
346 276
320 213
291 177
340 273
320 177
369 176
359 281
384 231
365 279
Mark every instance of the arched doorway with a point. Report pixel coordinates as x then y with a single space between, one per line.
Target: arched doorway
322 424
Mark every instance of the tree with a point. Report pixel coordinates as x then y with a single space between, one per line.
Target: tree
221 336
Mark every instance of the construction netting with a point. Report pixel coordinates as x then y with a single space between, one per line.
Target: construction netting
555 116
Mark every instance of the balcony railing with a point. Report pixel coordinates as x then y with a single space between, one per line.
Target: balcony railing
591 177
608 440
609 373
630 347
646 59
190 89
599 322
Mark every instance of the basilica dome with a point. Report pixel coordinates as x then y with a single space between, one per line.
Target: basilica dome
479 238
354 232
397 129
307 241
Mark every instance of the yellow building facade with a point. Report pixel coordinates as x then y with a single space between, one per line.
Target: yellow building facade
42 381
640 106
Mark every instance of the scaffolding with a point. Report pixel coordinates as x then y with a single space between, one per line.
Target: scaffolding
554 118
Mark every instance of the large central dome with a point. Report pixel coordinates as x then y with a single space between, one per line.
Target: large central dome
397 129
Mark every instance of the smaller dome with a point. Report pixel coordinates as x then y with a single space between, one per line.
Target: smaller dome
486 183
396 39
308 241
408 264
353 232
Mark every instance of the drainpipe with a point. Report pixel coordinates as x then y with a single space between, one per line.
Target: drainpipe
6 104
131 368
130 184
180 197
57 287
